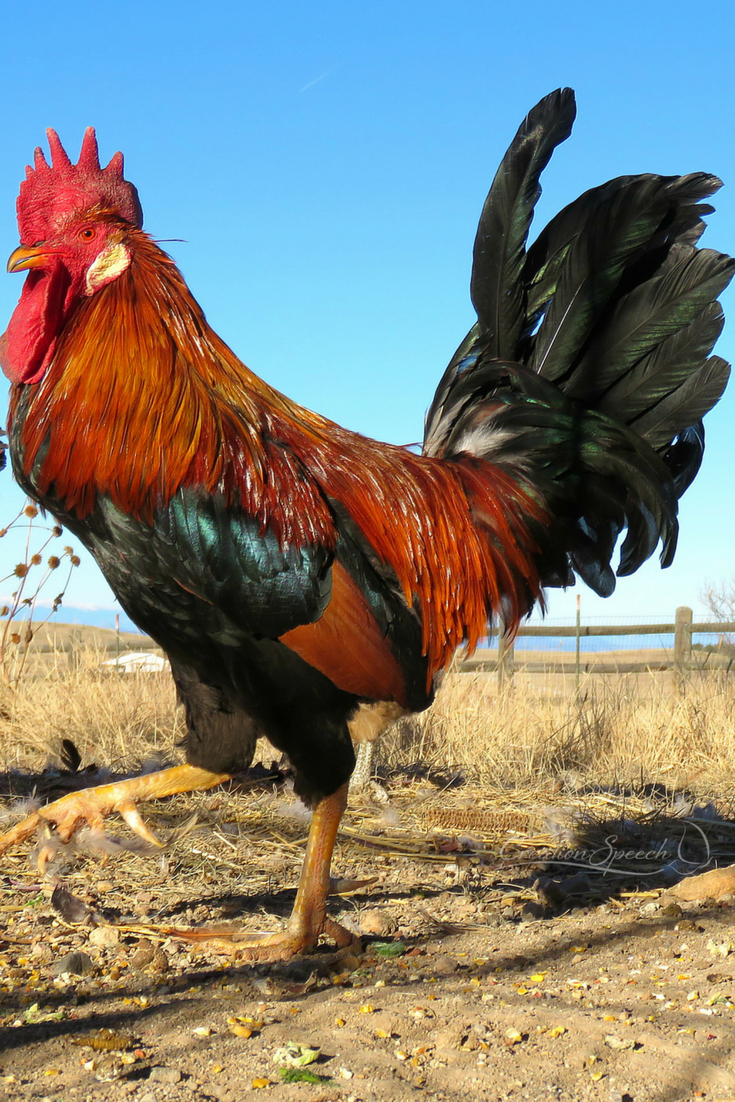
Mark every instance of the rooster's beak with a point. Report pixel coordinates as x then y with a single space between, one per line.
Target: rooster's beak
24 258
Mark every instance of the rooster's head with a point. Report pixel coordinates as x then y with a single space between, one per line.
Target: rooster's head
73 220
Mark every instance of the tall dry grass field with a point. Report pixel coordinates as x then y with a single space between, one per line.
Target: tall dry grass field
115 720
616 728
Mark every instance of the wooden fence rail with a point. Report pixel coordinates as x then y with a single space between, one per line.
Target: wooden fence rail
585 630
683 627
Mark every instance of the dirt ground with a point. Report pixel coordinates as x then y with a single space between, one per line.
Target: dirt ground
472 983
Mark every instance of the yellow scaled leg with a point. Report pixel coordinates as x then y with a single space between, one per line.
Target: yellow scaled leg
309 916
308 919
91 805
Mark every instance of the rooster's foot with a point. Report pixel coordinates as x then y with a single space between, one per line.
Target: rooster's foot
267 948
90 806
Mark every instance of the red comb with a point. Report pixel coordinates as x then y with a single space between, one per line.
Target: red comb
51 193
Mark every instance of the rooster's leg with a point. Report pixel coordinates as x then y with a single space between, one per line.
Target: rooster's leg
309 916
91 805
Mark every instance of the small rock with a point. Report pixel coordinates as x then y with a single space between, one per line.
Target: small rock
467 908
619 1044
223 1094
384 1024
376 922
104 937
160 961
672 910
347 963
76 963
493 921
143 956
720 948
299 971
532 911
164 1075
514 1037
142 903
448 1040
549 891
444 965
706 885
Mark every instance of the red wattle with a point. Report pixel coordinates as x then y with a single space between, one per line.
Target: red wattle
28 343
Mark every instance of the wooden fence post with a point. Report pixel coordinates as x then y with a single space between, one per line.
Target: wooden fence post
505 656
577 647
682 640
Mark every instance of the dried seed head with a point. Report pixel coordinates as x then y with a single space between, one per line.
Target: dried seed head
4 610
75 560
56 530
31 511
53 562
21 570
15 638
35 560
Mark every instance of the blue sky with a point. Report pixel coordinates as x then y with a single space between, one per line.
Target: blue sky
325 165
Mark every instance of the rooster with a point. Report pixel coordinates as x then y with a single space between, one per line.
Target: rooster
297 574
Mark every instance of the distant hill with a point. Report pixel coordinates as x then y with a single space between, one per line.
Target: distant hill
91 617
74 645
56 635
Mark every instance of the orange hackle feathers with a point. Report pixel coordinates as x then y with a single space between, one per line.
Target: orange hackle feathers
142 398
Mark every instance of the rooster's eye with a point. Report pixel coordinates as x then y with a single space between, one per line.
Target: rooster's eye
87 234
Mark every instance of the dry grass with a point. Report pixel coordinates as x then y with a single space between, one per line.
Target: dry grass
114 720
618 728
624 729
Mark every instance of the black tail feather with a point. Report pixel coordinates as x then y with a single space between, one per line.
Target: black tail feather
686 405
639 321
587 374
500 245
665 367
613 237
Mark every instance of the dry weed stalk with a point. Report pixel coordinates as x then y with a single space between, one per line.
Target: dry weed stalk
19 615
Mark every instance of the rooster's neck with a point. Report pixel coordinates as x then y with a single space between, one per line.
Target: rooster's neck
142 398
